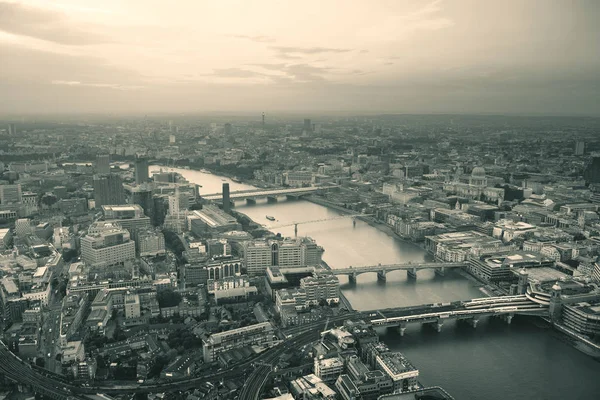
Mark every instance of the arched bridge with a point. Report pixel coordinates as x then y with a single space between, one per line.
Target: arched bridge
381 269
468 310
270 194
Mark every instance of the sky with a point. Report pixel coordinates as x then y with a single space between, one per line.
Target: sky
373 56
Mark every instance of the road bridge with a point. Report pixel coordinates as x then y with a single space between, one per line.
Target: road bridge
469 311
382 269
270 194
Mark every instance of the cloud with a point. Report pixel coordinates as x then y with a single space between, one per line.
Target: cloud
291 52
46 24
255 38
115 86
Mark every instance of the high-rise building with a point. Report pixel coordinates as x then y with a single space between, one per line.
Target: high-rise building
12 129
579 148
108 190
592 171
228 129
103 164
226 200
307 125
141 170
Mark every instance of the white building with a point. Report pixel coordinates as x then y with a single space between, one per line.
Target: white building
108 245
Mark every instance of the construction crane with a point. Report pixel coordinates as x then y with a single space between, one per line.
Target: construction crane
295 224
324 331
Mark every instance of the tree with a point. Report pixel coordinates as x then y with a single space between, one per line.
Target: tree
168 298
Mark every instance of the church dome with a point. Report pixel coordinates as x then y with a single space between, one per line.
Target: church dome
478 172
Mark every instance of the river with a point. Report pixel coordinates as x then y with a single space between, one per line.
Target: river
494 361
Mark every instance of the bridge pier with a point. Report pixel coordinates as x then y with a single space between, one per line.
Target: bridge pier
402 328
411 273
508 318
271 199
473 321
352 277
250 201
440 271
381 276
291 197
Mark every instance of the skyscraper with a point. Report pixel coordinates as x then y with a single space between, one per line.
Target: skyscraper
12 129
579 148
226 201
108 190
141 170
307 125
102 164
228 129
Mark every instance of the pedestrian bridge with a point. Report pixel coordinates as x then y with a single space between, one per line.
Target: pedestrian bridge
469 311
269 194
382 269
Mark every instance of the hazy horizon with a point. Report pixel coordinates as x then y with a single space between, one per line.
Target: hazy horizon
69 57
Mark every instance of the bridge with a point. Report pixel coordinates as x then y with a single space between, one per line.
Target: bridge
469 311
381 270
270 194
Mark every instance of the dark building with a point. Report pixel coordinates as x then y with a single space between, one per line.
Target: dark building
226 200
141 170
143 198
102 164
108 190
307 125
592 172
159 210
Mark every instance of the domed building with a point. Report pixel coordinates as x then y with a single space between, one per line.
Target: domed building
476 189
478 177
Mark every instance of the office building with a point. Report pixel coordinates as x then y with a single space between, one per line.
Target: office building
328 369
141 170
10 194
132 306
311 387
150 243
579 148
5 238
106 245
307 125
128 216
108 189
226 200
287 253
253 335
102 164
322 286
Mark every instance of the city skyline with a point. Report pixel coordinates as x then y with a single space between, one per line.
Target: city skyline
384 57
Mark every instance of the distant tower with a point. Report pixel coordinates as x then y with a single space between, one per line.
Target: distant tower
226 201
307 125
228 129
103 164
579 148
141 170
12 129
263 119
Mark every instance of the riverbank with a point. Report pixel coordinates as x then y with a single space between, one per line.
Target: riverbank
343 299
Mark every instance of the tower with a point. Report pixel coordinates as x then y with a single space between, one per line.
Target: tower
263 119
141 170
102 164
108 190
226 201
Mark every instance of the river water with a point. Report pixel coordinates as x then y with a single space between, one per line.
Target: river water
494 361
